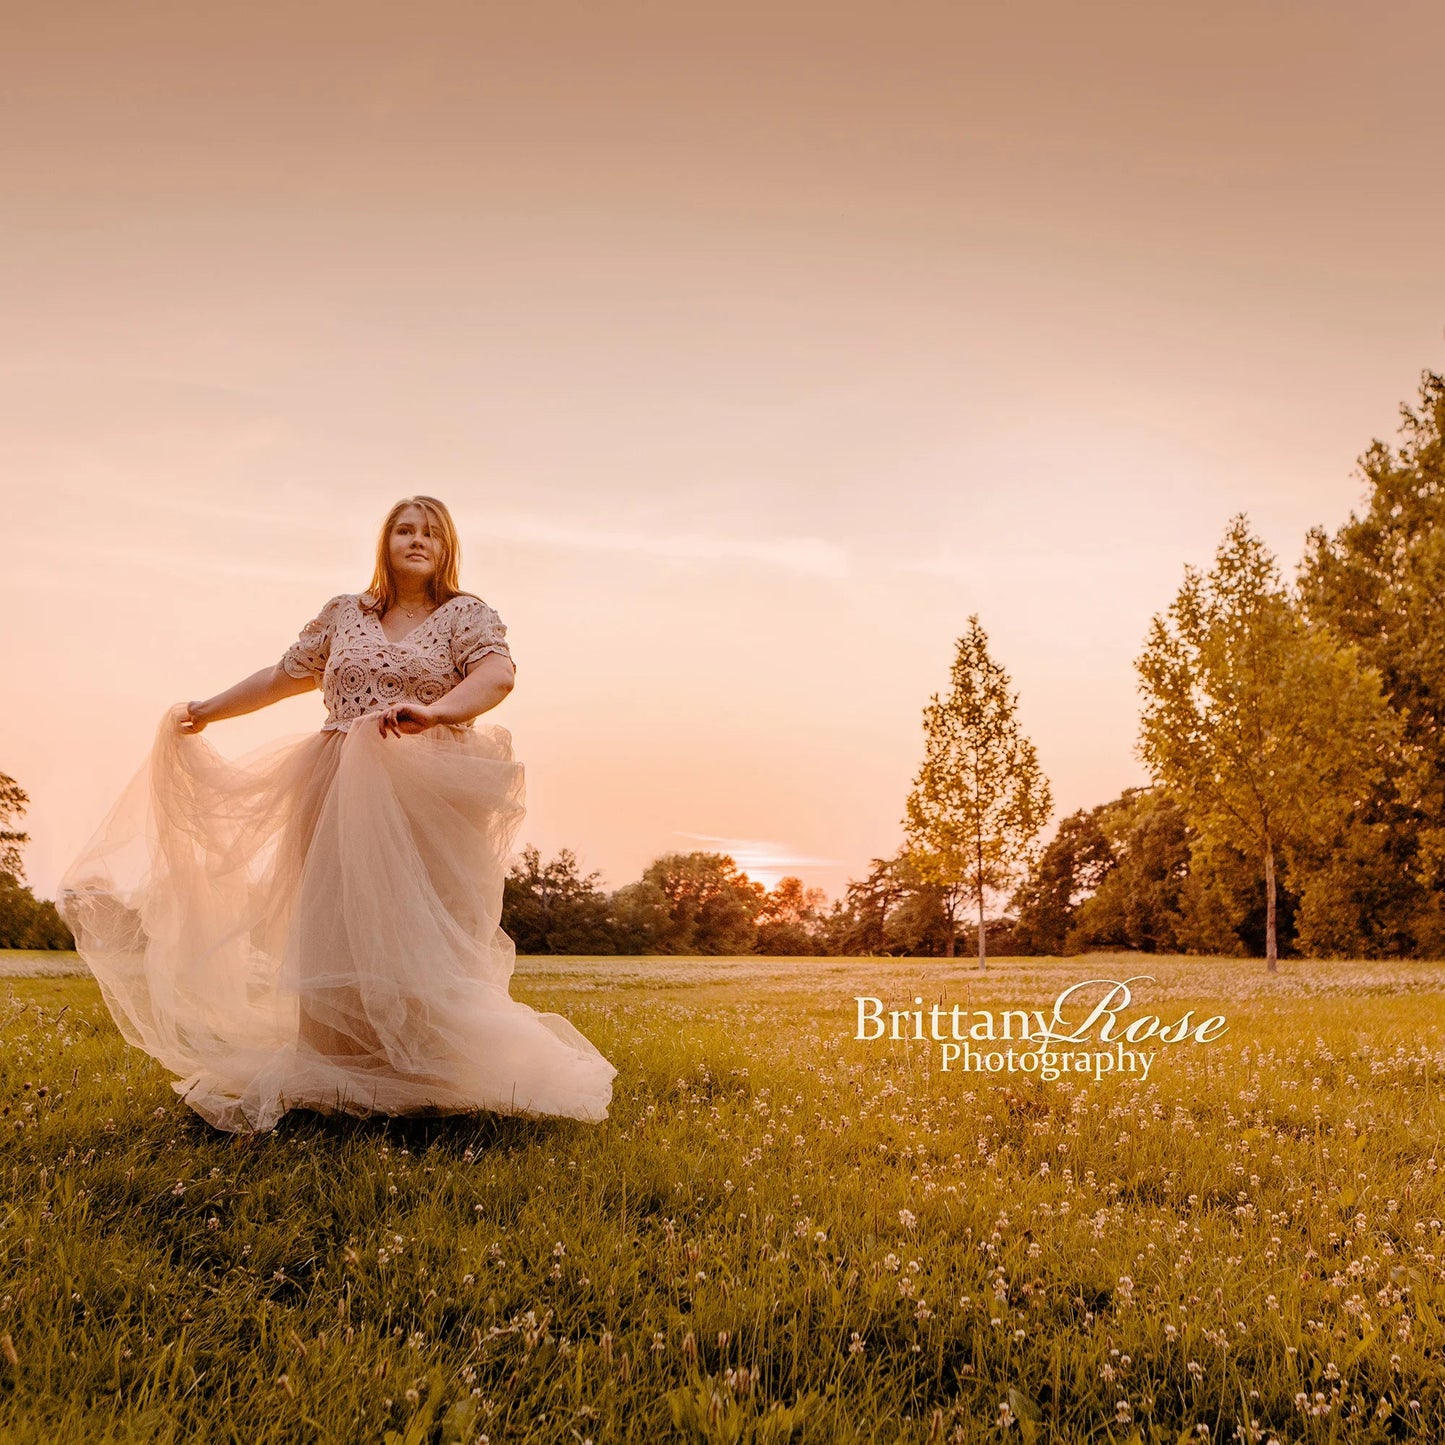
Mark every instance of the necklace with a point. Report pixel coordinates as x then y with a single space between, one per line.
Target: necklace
411 613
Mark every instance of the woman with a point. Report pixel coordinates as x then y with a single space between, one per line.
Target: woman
318 924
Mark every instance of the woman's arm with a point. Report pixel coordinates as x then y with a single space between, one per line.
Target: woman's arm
259 690
478 692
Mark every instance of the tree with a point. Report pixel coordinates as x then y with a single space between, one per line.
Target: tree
1379 583
25 920
859 921
788 921
1113 876
979 799
13 802
1067 871
1267 730
893 912
712 907
1139 899
919 925
641 917
552 908
1223 910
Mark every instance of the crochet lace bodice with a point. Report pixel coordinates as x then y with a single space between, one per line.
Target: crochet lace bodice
360 671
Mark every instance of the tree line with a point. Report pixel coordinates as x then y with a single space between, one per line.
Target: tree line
1294 730
702 903
1295 734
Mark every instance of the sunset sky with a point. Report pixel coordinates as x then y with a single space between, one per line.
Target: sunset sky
754 347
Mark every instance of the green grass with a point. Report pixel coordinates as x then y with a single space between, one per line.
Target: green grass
781 1233
24 962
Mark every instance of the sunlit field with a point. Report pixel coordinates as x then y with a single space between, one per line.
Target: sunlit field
781 1233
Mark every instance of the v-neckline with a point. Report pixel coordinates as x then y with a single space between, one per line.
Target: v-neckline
376 617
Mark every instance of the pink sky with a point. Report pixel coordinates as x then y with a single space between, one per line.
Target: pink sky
754 347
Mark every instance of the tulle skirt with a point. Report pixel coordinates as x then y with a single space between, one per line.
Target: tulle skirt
317 925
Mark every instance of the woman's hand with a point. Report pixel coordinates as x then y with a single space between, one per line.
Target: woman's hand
407 717
193 719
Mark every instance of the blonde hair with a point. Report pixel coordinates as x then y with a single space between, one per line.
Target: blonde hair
444 584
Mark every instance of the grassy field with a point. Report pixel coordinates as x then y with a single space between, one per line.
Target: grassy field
782 1232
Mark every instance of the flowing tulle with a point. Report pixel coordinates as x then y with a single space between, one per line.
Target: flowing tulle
318 925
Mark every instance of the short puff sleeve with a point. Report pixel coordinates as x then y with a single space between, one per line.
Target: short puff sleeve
306 657
477 631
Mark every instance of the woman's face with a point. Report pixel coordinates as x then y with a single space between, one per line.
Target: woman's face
414 549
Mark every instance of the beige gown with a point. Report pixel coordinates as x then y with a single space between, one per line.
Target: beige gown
318 924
